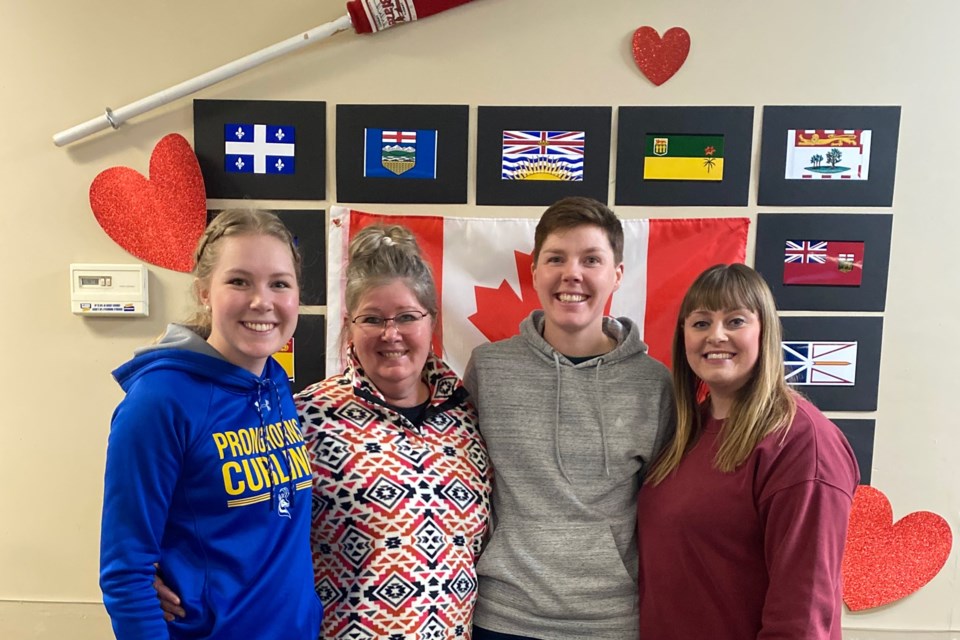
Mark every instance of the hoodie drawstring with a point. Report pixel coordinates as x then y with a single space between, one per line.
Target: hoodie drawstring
271 468
603 435
556 423
290 484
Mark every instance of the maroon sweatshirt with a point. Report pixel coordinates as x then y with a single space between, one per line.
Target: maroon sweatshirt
754 553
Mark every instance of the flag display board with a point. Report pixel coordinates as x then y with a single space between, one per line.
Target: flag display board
261 149
308 227
834 361
309 352
402 153
825 261
830 156
684 156
482 268
859 434
537 155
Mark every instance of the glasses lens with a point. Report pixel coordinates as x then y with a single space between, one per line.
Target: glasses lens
404 319
369 322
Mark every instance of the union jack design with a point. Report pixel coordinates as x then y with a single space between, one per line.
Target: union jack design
805 251
543 143
820 363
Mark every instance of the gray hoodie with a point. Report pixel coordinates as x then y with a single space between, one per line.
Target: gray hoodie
569 446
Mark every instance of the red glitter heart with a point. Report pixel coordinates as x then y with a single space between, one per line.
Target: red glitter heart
885 562
157 220
660 58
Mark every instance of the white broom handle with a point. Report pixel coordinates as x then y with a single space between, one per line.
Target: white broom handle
114 118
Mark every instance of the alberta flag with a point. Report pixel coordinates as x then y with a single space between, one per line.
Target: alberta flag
391 153
482 268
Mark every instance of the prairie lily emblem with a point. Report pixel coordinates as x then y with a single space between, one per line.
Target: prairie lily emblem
709 162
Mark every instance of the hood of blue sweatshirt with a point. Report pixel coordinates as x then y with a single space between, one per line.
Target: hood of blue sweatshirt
181 349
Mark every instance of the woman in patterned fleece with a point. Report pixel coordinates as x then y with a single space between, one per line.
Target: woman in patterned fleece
743 519
401 475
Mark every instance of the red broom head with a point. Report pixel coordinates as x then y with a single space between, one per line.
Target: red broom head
369 16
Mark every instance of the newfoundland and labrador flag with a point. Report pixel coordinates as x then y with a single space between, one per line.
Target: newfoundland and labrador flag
482 272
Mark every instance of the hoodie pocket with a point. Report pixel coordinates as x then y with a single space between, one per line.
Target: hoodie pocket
554 570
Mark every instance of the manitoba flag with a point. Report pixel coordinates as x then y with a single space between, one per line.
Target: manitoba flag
482 268
822 262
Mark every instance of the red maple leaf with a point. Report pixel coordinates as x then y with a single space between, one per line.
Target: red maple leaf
500 310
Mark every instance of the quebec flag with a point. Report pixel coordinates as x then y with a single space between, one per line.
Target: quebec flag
259 148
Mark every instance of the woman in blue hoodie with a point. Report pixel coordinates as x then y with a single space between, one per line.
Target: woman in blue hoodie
207 474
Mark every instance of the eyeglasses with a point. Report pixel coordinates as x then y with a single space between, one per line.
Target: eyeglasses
402 321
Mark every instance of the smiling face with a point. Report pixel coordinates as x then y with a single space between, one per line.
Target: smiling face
574 276
392 355
253 297
722 348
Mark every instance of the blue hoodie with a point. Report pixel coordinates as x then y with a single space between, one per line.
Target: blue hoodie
207 475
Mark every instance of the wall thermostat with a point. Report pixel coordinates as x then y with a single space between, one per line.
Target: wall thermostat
108 289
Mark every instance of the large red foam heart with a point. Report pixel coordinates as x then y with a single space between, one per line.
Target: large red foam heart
660 58
885 562
159 219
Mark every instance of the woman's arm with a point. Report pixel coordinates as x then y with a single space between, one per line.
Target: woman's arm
144 458
804 535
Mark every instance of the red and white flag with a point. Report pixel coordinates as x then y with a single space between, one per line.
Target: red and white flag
482 268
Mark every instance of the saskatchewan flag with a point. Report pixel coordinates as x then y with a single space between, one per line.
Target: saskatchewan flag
683 157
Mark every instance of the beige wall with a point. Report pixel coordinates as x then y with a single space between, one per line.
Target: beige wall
63 62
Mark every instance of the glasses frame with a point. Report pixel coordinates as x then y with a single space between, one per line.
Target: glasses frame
380 328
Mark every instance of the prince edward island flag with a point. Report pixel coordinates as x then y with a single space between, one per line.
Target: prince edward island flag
261 148
683 157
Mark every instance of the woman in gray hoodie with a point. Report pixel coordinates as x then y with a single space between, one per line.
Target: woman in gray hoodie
573 411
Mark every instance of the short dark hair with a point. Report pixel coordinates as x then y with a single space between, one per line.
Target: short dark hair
577 211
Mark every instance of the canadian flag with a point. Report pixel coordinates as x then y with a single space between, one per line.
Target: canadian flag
482 268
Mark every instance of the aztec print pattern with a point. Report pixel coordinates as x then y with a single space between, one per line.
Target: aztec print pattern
399 513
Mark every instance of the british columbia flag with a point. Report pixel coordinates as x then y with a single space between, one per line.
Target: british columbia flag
543 143
806 251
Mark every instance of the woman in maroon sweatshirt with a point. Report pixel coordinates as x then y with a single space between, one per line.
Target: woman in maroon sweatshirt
743 519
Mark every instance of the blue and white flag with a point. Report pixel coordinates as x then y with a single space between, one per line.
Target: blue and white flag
259 148
820 363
